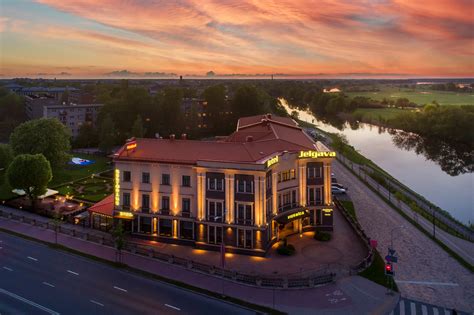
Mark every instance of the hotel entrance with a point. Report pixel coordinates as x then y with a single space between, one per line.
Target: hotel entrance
289 222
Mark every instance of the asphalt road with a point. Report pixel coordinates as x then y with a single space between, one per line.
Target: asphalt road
35 279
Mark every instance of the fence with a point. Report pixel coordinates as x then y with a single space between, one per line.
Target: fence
296 282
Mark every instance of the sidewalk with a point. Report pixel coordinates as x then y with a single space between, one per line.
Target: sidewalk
351 295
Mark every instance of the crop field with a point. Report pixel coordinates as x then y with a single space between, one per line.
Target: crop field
420 96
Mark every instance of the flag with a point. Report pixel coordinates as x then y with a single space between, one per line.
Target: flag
222 255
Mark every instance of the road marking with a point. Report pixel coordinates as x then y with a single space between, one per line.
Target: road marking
6 268
173 307
412 308
424 310
32 258
41 307
435 311
74 273
48 284
452 284
402 307
97 303
120 289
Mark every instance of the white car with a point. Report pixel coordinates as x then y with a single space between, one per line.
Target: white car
339 186
337 191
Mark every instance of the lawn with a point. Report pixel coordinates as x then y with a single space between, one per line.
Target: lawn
420 96
349 206
70 173
91 189
377 113
376 272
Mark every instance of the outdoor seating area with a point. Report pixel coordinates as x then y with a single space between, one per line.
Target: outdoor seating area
50 205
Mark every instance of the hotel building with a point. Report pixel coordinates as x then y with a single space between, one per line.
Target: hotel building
265 181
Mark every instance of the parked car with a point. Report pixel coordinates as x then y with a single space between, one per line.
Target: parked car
333 178
337 190
339 186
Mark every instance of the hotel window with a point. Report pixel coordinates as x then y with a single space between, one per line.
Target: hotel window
145 178
215 211
186 230
269 205
286 175
315 172
127 176
165 179
166 227
315 195
215 234
287 199
186 181
244 238
244 214
245 186
268 180
126 200
215 184
186 207
145 203
165 203
145 225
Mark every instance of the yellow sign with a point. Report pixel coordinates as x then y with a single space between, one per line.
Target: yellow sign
117 187
327 212
131 145
272 161
124 214
316 154
296 215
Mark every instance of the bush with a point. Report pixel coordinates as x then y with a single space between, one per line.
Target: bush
322 236
285 249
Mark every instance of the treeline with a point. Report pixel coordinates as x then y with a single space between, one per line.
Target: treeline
452 87
132 111
447 123
12 112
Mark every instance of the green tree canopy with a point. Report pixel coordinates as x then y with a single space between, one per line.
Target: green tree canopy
107 134
247 102
47 136
138 131
31 173
6 155
87 137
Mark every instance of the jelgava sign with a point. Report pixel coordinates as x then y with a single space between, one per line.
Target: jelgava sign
272 161
316 154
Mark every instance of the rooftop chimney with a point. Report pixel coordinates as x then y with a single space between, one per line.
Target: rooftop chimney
183 136
172 136
269 116
249 138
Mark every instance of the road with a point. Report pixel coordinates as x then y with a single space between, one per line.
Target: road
36 279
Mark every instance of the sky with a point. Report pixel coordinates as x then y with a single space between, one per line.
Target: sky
92 38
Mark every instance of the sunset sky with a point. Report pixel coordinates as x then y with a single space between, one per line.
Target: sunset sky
89 38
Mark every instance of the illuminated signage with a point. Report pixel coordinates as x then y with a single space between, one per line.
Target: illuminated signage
123 214
117 187
327 212
296 215
272 161
131 145
316 154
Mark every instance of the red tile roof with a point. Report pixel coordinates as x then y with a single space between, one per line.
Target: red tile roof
105 206
268 136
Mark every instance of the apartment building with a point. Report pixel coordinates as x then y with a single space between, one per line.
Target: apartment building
265 181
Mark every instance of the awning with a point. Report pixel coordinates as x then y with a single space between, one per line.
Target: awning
48 193
105 206
291 215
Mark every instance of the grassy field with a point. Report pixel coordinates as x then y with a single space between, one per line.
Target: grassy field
66 174
89 189
420 96
376 113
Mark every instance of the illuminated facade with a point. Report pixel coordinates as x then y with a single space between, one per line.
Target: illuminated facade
265 181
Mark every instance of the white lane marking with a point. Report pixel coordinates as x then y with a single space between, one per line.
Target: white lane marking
74 273
412 308
120 289
452 284
447 312
48 284
402 307
435 311
424 310
32 258
41 307
6 268
173 307
95 302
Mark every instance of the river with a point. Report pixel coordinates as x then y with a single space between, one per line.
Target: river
454 194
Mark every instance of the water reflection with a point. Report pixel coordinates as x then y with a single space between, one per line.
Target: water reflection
454 160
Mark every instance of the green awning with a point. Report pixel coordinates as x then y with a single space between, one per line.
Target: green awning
291 215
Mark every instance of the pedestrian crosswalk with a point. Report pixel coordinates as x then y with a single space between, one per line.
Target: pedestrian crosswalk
412 307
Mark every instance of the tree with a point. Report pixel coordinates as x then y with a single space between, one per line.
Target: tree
216 103
138 131
247 102
118 235
57 221
87 137
47 136
170 110
107 134
30 173
6 156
